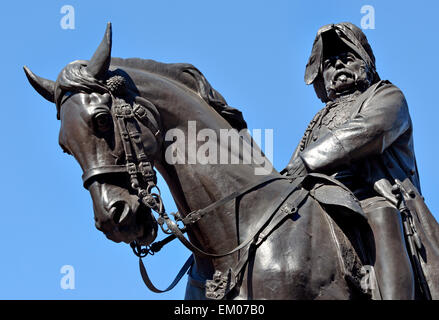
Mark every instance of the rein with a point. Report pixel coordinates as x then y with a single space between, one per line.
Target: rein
137 163
222 284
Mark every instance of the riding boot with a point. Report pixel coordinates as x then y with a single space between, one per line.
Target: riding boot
393 268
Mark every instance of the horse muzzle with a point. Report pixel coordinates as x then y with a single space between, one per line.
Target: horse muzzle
120 215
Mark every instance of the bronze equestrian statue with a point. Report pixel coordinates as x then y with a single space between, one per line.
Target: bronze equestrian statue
363 137
272 236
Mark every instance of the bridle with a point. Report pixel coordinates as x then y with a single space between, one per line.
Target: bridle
139 164
136 160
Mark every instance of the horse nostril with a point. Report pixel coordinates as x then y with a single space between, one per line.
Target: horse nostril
119 211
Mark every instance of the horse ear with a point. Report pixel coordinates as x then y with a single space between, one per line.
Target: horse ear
44 87
100 62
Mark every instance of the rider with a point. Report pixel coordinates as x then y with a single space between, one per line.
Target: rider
363 138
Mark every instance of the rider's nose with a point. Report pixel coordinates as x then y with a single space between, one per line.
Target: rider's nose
119 212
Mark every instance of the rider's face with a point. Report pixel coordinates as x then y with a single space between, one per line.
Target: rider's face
340 73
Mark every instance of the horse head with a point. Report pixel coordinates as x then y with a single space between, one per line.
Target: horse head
85 97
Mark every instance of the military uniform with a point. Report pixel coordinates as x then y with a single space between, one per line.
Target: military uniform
365 140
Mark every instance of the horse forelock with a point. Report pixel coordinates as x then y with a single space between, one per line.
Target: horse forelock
73 77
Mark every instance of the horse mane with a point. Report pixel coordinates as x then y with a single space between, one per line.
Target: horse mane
190 76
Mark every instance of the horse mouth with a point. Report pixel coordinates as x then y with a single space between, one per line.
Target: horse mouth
139 226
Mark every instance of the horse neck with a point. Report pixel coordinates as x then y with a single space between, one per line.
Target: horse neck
202 180
185 115
195 185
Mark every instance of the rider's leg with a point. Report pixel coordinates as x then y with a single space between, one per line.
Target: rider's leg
392 264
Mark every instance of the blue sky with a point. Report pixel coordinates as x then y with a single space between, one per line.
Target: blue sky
253 52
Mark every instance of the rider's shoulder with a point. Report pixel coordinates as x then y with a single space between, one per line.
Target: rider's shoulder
387 93
385 86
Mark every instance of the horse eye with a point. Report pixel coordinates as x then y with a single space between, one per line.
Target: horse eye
103 121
